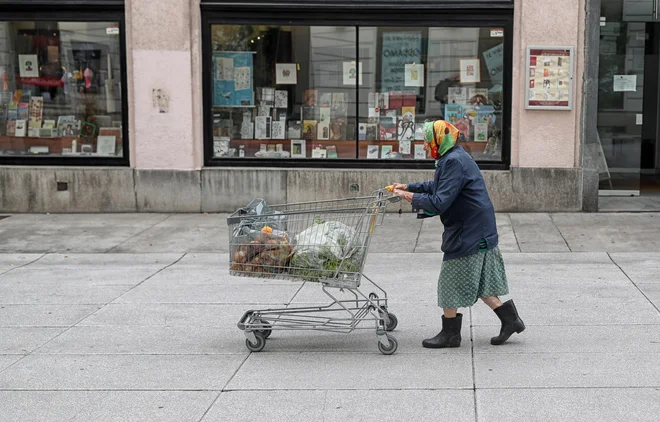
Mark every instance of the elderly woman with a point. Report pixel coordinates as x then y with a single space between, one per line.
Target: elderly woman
472 266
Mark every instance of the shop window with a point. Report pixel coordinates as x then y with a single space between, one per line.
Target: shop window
60 90
353 93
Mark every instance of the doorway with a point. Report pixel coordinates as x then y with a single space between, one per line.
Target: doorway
628 98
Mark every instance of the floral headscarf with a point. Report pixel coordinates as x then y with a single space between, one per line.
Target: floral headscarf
441 136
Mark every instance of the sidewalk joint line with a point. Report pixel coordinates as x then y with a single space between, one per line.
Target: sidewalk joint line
137 234
24 265
419 234
515 236
560 233
210 406
633 283
224 389
474 371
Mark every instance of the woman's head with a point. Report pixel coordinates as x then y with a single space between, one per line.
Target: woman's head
440 136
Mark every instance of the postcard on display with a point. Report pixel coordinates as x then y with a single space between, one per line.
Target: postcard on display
323 131
372 132
106 145
309 129
36 111
332 151
338 101
453 112
298 148
311 97
325 113
28 65
478 96
338 129
457 95
372 151
351 73
481 132
404 147
325 99
405 129
386 151
23 111
278 129
281 99
420 152
295 130
262 127
21 128
362 132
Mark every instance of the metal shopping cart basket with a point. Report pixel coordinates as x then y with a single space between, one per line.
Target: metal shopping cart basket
323 242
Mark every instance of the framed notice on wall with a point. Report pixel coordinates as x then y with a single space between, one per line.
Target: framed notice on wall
549 78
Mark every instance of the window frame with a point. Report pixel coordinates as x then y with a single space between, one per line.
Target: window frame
74 11
384 16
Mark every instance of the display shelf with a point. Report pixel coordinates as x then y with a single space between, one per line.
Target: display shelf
55 145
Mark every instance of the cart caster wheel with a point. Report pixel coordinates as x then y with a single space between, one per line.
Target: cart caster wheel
265 332
259 345
393 322
389 350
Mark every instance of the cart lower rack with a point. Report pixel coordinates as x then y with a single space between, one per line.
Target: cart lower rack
323 242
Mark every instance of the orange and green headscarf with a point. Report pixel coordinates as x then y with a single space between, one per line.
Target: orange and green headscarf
441 136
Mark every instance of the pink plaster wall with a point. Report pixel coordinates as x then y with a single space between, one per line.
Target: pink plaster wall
546 138
163 54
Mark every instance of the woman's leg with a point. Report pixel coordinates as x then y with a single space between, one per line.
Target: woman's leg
493 302
449 312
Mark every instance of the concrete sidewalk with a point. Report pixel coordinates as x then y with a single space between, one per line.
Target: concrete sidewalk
133 318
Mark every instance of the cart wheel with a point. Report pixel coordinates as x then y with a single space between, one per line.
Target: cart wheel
265 332
394 321
389 350
259 345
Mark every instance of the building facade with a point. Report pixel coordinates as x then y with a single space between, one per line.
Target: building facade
122 106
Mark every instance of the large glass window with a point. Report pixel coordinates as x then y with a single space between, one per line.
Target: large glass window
60 90
344 92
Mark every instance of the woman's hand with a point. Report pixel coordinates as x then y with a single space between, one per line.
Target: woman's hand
408 196
399 186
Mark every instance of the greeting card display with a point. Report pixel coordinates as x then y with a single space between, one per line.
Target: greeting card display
232 79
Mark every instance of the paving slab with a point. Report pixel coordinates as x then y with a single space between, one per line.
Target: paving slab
45 277
25 340
332 371
18 293
147 340
182 233
395 406
82 233
397 234
7 360
250 406
572 339
652 292
569 404
566 311
211 293
121 372
537 233
565 370
44 315
640 267
219 274
101 406
592 259
170 315
622 232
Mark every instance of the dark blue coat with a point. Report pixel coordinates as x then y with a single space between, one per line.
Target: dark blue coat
458 193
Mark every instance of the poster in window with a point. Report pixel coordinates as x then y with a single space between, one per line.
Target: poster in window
29 65
414 75
232 79
398 49
549 78
494 59
470 71
351 73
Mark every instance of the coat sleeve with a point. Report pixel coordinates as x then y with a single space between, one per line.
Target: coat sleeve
449 185
421 187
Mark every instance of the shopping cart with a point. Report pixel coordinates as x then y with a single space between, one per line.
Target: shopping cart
322 242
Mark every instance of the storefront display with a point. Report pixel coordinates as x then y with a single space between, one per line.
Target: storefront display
352 93
61 94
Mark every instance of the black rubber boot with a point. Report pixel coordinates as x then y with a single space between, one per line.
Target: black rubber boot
450 336
511 322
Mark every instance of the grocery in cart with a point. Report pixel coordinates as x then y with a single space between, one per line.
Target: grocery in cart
321 242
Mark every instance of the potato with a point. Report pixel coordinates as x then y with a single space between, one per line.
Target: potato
240 257
236 266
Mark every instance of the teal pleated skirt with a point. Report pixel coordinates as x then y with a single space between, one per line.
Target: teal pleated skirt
465 280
